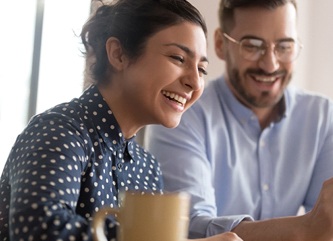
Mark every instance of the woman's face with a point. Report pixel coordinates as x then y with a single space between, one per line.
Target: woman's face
168 78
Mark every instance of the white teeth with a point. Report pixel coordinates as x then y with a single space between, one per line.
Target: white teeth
174 96
266 79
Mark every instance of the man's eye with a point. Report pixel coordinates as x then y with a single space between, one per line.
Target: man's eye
251 48
178 58
252 45
284 47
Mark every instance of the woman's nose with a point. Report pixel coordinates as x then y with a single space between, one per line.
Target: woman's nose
193 79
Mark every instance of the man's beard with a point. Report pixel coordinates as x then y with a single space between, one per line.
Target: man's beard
265 99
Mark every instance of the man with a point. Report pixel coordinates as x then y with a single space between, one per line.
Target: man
253 149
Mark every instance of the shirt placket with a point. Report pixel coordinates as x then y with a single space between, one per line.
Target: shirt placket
266 184
118 168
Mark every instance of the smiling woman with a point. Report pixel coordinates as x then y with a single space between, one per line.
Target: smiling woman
150 58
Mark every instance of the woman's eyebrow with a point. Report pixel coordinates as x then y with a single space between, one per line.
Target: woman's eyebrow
188 51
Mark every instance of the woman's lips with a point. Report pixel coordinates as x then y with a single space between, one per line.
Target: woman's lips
175 97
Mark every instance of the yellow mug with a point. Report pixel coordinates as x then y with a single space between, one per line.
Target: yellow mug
147 217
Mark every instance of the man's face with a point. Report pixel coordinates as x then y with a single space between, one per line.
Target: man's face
259 83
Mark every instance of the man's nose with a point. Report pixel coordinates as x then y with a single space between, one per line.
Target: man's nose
269 61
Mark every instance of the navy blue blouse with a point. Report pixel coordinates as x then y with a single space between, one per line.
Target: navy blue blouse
69 162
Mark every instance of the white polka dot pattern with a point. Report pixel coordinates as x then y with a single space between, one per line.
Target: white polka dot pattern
69 162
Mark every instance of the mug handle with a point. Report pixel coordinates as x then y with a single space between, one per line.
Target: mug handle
99 222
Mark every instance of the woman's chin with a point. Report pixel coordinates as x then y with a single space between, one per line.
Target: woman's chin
171 123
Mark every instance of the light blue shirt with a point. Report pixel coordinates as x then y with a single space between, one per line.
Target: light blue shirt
234 170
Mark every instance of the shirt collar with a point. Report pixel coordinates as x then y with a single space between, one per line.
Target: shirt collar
105 123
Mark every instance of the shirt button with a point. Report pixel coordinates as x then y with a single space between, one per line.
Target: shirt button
265 187
119 165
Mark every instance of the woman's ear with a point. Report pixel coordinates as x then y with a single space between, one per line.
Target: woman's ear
115 53
218 40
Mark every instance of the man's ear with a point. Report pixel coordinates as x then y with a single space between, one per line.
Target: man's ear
219 42
115 53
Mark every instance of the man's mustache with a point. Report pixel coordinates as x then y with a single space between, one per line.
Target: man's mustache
262 72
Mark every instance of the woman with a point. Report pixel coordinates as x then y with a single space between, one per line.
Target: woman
149 66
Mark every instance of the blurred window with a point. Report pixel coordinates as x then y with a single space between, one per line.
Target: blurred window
41 64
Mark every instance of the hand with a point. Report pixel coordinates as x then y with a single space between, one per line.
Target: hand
318 223
228 236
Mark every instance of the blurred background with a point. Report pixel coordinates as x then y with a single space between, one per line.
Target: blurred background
41 64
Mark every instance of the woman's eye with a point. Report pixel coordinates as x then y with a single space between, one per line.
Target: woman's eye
178 58
203 71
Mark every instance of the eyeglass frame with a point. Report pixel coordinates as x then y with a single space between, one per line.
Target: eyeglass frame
263 51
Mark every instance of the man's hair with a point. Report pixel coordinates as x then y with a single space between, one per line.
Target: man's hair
227 9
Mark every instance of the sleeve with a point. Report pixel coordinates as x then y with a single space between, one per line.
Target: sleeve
323 168
186 167
45 175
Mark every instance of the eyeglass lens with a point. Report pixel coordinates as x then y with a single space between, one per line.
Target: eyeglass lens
253 49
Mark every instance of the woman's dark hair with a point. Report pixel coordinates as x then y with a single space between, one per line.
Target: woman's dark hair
227 8
132 22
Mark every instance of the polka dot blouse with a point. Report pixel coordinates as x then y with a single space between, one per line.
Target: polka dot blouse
69 162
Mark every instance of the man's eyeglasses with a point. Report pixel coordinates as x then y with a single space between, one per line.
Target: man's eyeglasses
252 49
